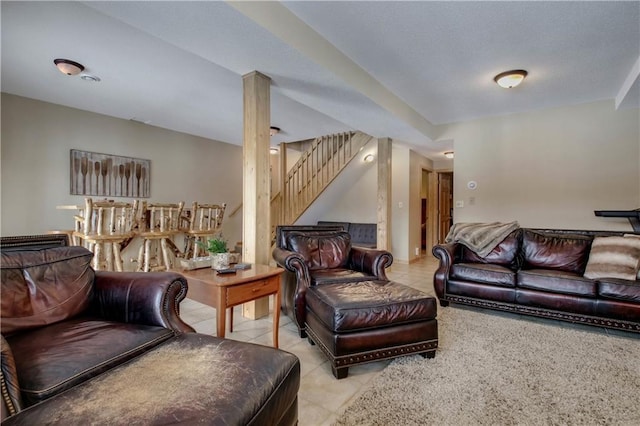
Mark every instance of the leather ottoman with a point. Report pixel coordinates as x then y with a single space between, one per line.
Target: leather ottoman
355 323
190 379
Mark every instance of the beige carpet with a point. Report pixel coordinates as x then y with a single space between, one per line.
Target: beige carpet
492 369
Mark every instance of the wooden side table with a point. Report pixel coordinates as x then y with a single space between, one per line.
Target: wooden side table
223 291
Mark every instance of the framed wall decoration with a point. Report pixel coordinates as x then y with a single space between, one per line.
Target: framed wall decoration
108 175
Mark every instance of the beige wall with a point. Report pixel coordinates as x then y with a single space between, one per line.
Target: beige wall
400 210
352 196
358 202
549 168
37 138
417 164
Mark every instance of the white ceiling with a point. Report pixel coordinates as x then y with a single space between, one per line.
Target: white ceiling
390 69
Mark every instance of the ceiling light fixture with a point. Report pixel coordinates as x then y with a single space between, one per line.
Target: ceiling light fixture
449 155
368 158
274 130
68 67
510 79
273 150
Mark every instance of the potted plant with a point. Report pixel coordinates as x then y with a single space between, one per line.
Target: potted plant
217 246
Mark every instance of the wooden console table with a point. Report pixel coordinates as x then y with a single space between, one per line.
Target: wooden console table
223 291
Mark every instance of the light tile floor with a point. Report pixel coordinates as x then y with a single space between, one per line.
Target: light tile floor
321 397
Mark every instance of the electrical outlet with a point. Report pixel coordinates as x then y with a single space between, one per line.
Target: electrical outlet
417 251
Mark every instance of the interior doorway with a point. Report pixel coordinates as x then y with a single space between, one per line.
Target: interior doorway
445 204
424 210
436 208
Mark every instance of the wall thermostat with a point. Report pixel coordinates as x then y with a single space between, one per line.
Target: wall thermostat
472 184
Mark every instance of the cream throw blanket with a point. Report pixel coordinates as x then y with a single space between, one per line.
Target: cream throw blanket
480 237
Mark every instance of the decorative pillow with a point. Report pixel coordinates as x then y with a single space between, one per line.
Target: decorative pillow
41 287
562 252
322 251
634 236
614 257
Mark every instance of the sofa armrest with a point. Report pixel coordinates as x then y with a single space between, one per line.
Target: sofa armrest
370 261
11 398
150 298
445 253
290 260
295 290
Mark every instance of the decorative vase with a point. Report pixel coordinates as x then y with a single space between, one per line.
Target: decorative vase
219 261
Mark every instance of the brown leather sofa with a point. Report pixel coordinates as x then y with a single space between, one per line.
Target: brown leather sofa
88 347
329 263
362 234
538 272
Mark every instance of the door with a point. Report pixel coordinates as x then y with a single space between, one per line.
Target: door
445 204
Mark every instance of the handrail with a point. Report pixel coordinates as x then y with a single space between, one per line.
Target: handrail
316 168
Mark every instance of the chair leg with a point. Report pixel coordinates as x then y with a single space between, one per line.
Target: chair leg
141 258
196 247
117 257
165 253
147 255
97 253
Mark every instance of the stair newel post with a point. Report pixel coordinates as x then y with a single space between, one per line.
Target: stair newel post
284 197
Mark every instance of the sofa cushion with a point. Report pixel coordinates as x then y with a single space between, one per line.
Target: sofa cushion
484 273
613 257
192 379
634 236
338 275
560 252
41 287
55 358
555 281
364 234
503 254
322 251
368 305
612 288
344 225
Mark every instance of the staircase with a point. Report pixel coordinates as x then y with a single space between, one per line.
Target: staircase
313 172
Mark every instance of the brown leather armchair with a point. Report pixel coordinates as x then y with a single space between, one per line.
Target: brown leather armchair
316 255
95 347
64 323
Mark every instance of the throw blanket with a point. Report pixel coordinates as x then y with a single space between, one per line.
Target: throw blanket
480 237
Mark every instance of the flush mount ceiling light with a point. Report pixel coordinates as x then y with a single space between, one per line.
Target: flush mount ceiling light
274 130
368 158
68 67
273 150
510 79
449 154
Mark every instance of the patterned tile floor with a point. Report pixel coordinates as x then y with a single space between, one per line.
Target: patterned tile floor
321 397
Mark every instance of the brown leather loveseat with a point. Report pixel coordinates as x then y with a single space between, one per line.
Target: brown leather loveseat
539 272
89 347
